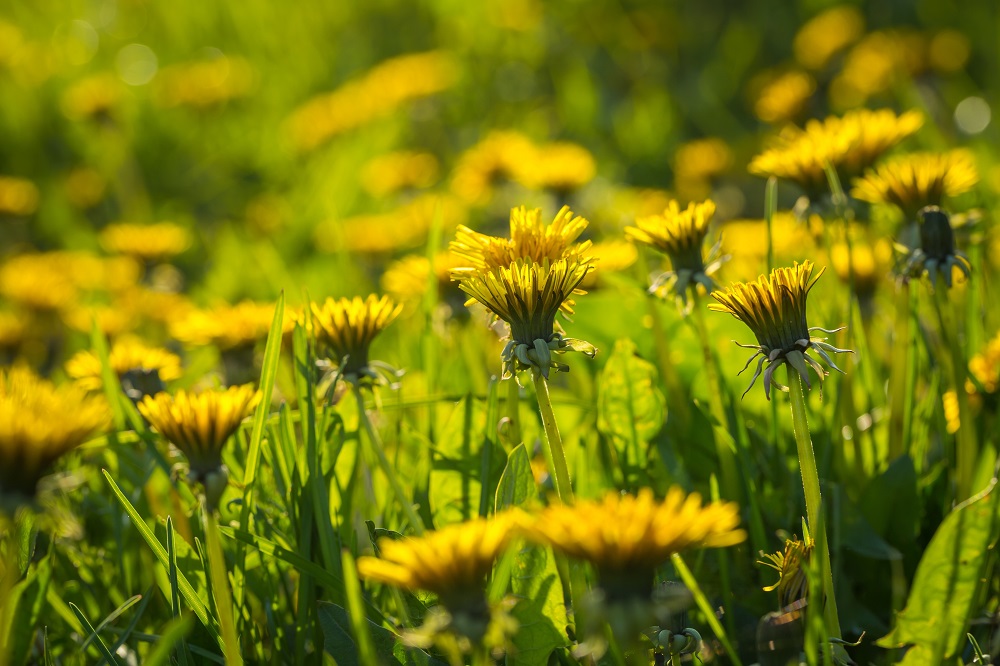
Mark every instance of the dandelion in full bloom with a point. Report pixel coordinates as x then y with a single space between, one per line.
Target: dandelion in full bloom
791 564
39 423
937 254
626 537
774 307
680 235
918 179
346 327
137 365
147 242
199 425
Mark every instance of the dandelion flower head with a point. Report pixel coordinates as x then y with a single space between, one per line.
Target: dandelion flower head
916 180
346 327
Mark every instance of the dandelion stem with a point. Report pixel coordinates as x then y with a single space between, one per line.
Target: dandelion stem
811 489
898 373
553 440
514 410
220 587
376 443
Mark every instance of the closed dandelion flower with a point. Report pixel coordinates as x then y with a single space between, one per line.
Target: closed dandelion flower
199 425
40 422
791 564
346 327
680 235
133 362
917 180
148 242
626 537
937 254
774 307
527 295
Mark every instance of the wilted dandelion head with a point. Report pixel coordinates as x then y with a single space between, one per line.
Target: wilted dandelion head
225 326
937 255
128 354
791 565
149 242
918 179
774 307
625 537
39 422
199 425
680 235
527 295
346 327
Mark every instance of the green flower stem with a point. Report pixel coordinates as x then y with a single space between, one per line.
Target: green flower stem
966 444
376 443
514 411
705 606
912 345
898 373
220 588
553 440
811 489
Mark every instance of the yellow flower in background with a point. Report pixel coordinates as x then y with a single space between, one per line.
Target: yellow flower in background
37 283
783 97
407 279
85 187
559 166
111 319
18 196
150 242
12 329
404 228
94 97
346 327
746 242
396 171
680 235
611 256
875 64
39 422
849 144
791 565
527 295
870 263
375 94
499 155
204 83
916 180
226 326
626 537
826 34
985 367
696 163
949 51
774 308
126 354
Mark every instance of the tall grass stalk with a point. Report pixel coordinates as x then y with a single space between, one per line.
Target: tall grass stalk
900 409
814 498
553 440
220 588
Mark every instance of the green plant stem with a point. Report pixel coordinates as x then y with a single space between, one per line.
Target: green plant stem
220 588
553 440
898 372
966 445
705 606
514 411
376 443
811 489
912 344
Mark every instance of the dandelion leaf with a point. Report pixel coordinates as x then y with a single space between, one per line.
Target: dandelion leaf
540 610
631 408
338 641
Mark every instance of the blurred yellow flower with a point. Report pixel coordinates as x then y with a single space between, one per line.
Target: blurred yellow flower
204 83
916 180
791 563
346 327
783 97
126 354
39 422
94 97
376 93
985 366
18 196
85 187
12 329
226 326
875 64
499 155
404 228
611 256
952 415
150 242
36 282
559 166
396 171
406 279
826 34
625 537
949 51
696 163
774 308
111 320
870 263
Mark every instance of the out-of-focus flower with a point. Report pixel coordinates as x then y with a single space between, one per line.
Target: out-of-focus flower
204 83
916 180
952 414
826 34
346 327
746 242
392 172
12 330
126 354
612 256
404 228
163 307
226 326
559 166
849 144
625 537
92 98
774 308
869 262
267 213
375 94
85 187
111 320
985 367
696 163
407 279
680 235
875 64
791 565
35 282
148 242
199 425
937 254
18 196
39 422
949 51
499 155
781 98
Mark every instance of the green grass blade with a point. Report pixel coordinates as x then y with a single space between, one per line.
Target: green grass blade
102 646
705 606
323 576
133 623
356 611
172 635
175 599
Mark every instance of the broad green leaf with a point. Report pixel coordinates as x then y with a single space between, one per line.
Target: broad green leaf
945 587
631 408
517 483
891 502
541 607
339 641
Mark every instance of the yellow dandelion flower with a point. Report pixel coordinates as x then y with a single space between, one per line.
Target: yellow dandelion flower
916 180
774 308
527 295
127 354
404 228
937 254
791 564
204 83
346 327
559 166
702 159
826 34
612 256
783 96
746 241
680 235
625 537
869 261
386 174
949 51
406 279
39 422
18 197
38 283
199 425
111 319
985 367
149 242
849 144
94 97
875 64
952 414
452 562
226 326
499 155
12 329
